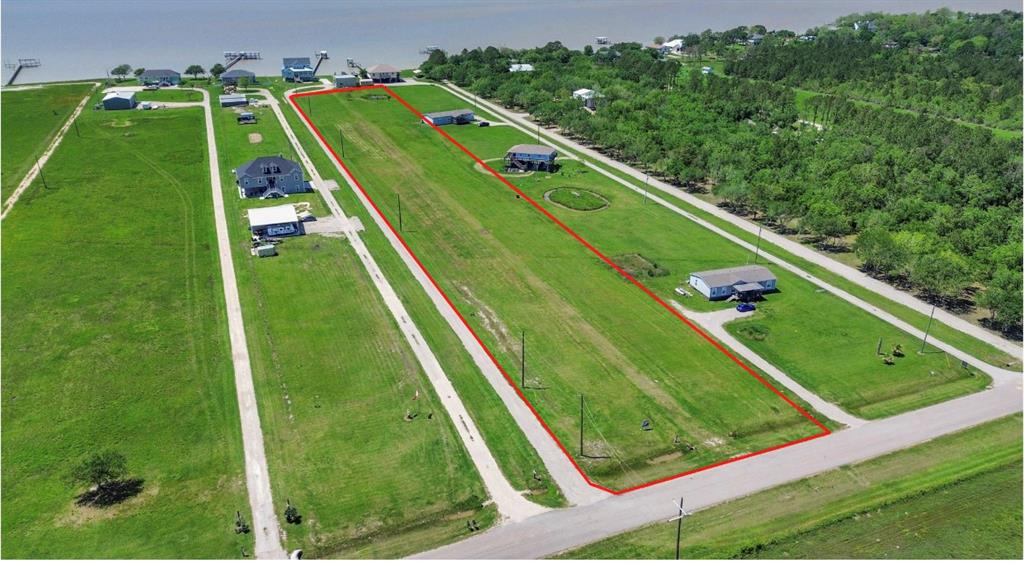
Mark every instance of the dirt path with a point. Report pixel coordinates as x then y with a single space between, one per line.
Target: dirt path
510 503
266 527
34 171
852 274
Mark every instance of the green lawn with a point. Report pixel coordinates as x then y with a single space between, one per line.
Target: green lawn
170 95
335 380
114 338
508 269
29 121
517 458
822 341
957 497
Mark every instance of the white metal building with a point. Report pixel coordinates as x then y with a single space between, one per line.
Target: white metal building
280 220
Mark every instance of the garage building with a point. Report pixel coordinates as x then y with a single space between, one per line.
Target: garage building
456 116
119 100
277 221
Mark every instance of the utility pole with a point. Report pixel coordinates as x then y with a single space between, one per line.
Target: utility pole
309 105
646 179
77 132
927 330
522 359
678 519
757 249
581 424
39 168
341 135
399 196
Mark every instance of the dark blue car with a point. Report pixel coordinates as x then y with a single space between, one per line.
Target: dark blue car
745 307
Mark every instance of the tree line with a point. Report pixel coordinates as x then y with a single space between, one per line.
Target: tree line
936 205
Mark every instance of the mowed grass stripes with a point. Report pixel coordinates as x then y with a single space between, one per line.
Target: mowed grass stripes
509 269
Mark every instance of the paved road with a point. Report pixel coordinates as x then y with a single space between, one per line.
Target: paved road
714 324
560 530
850 273
257 477
860 303
34 171
510 503
559 466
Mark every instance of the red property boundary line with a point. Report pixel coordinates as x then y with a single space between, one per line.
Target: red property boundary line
824 431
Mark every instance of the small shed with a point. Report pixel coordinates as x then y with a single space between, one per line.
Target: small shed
745 282
587 96
455 116
366 82
280 220
230 100
521 158
265 250
345 80
231 77
119 100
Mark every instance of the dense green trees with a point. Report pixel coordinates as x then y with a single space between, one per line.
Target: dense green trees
936 204
964 66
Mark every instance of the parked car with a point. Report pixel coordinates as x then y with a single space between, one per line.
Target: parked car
745 307
151 87
484 124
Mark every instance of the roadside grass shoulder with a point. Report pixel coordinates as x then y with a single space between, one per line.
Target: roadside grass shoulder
114 339
957 497
28 123
171 95
822 341
516 457
632 358
355 436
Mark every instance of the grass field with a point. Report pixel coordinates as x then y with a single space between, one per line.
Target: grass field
335 380
114 339
517 458
170 95
957 497
508 268
29 121
822 341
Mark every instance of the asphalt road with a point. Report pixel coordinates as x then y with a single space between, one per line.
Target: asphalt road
560 530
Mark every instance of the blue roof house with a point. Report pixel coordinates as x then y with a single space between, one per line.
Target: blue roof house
297 69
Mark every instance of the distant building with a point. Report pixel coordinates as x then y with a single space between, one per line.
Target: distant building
160 76
707 70
520 67
521 158
455 116
345 80
231 77
755 39
808 38
366 82
383 74
269 176
246 117
745 282
296 69
675 45
869 25
119 100
890 45
230 100
587 96
280 220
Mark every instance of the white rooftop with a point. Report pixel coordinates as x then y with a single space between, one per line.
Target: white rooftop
122 95
585 93
524 67
264 216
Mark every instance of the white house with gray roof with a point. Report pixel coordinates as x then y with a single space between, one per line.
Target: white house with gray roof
269 176
382 74
742 281
160 76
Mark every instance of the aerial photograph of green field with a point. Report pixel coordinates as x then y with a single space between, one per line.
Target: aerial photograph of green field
557 279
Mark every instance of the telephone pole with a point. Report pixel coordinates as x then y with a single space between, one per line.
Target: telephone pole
757 249
399 196
341 135
522 359
39 168
678 519
927 330
581 424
